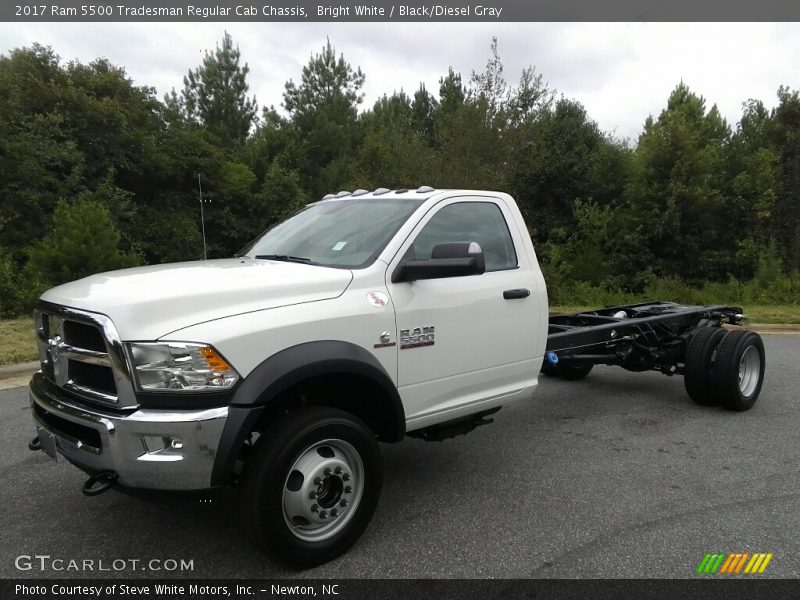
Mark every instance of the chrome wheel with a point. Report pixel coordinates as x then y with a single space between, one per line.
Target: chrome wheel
322 490
749 371
310 485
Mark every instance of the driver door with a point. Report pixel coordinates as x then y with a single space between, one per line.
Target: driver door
459 340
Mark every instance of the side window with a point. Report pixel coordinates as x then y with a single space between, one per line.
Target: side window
480 222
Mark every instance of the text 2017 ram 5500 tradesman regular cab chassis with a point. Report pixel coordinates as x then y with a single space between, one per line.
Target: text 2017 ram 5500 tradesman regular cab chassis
364 317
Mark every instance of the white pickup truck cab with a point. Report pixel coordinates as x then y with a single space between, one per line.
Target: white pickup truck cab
364 317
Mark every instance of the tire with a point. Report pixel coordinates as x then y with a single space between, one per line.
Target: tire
548 369
574 370
739 370
698 362
567 369
310 486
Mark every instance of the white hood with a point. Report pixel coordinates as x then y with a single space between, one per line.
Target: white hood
146 303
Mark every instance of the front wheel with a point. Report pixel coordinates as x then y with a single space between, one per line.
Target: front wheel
310 486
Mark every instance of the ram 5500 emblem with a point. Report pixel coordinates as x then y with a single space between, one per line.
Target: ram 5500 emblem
417 337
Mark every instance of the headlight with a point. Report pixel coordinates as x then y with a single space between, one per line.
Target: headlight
178 366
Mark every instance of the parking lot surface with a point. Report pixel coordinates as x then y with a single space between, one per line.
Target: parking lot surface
618 475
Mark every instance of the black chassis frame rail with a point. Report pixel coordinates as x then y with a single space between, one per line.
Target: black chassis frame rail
651 335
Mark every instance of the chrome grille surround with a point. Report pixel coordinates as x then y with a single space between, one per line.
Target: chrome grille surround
56 351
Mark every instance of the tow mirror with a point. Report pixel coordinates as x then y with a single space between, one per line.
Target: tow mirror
451 259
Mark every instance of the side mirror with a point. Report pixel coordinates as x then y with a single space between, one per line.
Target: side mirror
452 259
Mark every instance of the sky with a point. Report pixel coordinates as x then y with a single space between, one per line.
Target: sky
621 72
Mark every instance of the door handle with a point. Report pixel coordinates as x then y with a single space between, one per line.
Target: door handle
517 293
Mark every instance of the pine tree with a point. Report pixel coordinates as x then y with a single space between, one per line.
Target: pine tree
328 85
423 110
215 95
323 109
83 241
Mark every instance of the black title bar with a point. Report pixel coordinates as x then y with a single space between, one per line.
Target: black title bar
404 589
388 11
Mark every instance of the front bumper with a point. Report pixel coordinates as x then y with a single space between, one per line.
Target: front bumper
153 449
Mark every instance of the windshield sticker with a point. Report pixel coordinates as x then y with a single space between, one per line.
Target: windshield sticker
339 245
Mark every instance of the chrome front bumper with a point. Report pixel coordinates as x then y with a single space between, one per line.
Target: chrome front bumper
153 449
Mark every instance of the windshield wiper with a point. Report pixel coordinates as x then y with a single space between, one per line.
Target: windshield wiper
283 257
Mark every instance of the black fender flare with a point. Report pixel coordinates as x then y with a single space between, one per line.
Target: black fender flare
286 368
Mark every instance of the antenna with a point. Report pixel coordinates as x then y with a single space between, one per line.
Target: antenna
202 216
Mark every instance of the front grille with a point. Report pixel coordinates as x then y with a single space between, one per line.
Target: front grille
83 335
76 355
93 377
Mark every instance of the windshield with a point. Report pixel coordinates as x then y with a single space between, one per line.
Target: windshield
338 233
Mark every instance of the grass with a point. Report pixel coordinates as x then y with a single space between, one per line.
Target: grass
783 315
18 342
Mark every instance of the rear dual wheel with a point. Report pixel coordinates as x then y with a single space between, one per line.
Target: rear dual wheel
739 370
724 368
700 354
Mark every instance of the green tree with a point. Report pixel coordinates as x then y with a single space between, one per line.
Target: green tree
68 129
215 95
678 196
465 143
482 129
280 195
18 290
560 156
115 125
39 160
423 112
452 93
489 88
786 136
323 109
394 153
328 85
83 241
754 178
531 98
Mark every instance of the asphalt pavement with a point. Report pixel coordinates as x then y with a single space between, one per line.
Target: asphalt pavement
619 475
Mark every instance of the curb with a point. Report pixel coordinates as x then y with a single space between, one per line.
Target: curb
28 368
767 328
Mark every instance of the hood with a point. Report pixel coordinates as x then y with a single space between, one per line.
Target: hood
146 303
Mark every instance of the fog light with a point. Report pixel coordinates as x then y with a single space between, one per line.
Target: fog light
162 446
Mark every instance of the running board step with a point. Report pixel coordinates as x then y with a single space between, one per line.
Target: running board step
451 429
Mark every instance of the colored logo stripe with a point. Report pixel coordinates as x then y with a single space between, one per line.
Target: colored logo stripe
734 563
710 563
